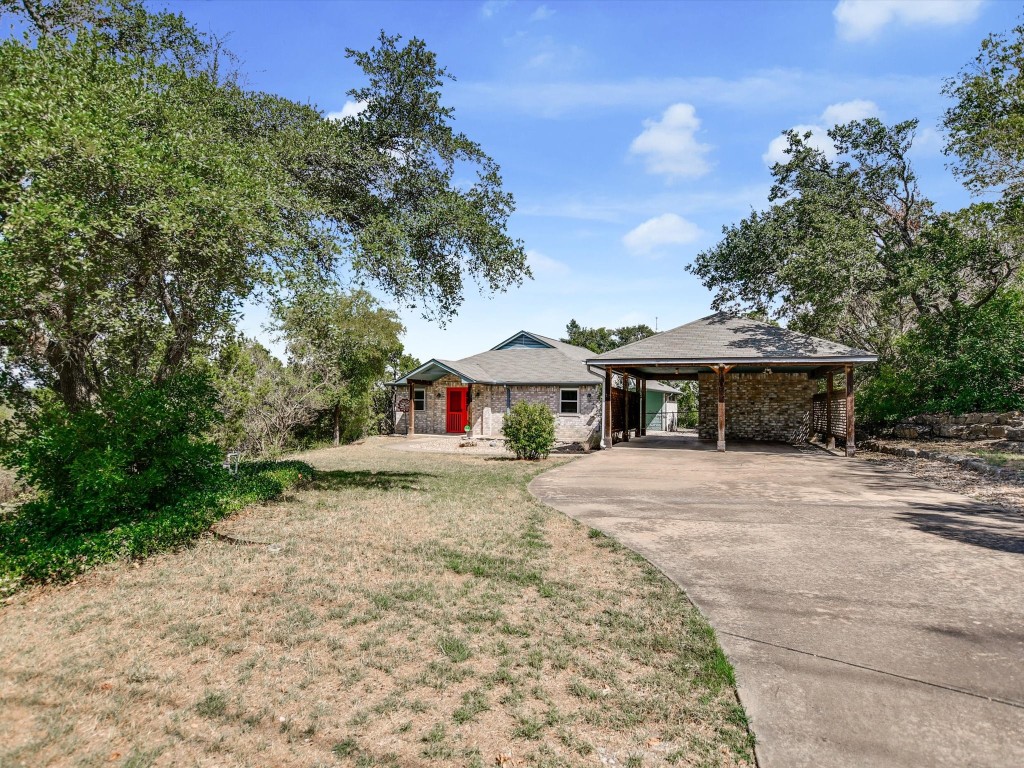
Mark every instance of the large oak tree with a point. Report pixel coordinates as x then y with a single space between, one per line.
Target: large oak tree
145 193
850 247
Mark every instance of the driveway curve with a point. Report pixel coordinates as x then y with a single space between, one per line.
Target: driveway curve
873 620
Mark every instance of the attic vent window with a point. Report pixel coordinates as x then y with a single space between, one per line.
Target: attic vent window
524 341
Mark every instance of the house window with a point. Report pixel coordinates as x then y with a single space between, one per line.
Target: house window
419 399
570 401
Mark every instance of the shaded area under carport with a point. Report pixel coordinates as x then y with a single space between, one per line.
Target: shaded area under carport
872 619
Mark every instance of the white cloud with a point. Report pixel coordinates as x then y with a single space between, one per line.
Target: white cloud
847 111
541 59
667 229
777 148
670 145
542 265
928 141
492 8
351 109
542 13
718 204
864 19
834 114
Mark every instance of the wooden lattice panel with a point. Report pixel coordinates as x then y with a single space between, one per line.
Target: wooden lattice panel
838 415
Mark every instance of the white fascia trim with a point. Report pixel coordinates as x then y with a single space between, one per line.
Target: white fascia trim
405 379
701 362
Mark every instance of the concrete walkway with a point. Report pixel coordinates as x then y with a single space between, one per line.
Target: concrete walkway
872 620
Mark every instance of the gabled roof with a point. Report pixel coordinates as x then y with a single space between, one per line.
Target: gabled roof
523 340
728 338
656 386
524 358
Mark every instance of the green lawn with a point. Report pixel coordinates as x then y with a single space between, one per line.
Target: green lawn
407 609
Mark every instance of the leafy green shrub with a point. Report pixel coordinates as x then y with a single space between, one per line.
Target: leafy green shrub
529 430
32 554
141 449
971 360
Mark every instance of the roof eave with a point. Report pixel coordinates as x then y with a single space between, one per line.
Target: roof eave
404 380
682 361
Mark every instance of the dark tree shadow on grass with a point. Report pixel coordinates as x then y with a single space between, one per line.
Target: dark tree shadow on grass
383 481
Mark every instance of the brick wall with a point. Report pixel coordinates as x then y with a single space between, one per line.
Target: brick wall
488 409
758 406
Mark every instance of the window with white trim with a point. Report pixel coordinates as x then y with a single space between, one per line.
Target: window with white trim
569 401
419 399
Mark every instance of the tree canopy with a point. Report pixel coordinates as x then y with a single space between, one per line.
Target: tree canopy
145 193
600 340
984 127
850 247
340 343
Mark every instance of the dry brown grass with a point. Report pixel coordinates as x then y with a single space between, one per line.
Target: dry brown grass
414 609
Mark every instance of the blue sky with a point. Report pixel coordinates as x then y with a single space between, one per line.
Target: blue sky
629 133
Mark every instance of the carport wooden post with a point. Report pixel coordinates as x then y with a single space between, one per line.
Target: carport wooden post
830 439
639 403
851 448
412 411
607 426
625 407
642 427
721 407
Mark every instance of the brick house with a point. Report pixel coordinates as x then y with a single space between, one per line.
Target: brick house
444 396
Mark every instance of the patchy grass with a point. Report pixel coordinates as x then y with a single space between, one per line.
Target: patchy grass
1005 459
413 609
30 554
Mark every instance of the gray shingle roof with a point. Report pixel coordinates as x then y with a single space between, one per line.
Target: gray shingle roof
656 386
529 366
724 337
561 364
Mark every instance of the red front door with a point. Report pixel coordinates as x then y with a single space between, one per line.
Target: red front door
457 409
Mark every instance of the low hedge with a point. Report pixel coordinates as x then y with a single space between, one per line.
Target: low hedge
31 554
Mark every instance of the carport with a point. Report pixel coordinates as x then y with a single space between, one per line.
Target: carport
756 381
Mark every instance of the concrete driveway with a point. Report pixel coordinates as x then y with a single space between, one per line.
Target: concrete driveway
873 620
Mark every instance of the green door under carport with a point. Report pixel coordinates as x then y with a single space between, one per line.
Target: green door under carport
654 418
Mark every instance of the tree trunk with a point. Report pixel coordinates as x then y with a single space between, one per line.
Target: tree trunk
337 423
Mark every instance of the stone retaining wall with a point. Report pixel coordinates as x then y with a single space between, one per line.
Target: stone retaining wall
758 406
973 463
969 426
